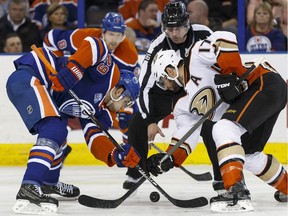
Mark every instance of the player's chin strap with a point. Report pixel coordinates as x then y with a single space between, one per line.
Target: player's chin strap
178 83
112 98
176 79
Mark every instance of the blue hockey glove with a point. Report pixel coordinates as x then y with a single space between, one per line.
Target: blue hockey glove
127 158
124 116
67 77
154 167
227 86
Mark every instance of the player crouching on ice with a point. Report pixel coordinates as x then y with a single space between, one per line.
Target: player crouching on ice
44 103
243 130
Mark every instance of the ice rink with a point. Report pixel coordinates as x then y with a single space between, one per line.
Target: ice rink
106 183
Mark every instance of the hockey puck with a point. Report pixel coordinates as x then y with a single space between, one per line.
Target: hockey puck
154 196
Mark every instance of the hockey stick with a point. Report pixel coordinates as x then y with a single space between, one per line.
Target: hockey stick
208 113
192 203
102 203
199 177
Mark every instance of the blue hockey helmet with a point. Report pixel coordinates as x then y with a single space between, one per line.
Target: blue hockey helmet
113 22
130 83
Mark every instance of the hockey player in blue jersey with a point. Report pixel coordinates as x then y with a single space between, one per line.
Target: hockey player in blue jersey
44 104
122 50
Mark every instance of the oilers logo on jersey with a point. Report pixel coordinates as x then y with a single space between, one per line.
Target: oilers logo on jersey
71 108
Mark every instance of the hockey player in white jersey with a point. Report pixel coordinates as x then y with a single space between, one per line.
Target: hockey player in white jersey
217 59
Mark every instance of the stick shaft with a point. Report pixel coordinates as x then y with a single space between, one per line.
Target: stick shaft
43 59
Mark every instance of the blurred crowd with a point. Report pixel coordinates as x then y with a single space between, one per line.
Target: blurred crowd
26 22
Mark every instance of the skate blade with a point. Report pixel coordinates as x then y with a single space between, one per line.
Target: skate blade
25 207
241 206
62 198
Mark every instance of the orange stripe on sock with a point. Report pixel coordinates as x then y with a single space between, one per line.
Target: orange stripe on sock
57 162
42 155
282 183
231 173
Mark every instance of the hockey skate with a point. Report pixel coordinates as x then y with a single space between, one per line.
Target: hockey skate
281 197
31 200
61 190
219 188
236 199
130 182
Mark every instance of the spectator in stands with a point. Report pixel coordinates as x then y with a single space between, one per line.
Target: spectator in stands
277 9
13 44
277 6
39 7
130 33
129 8
251 5
3 7
145 26
260 35
94 15
16 21
284 21
57 18
226 11
199 14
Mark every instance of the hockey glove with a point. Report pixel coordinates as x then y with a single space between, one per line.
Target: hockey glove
127 158
124 117
67 77
227 86
154 167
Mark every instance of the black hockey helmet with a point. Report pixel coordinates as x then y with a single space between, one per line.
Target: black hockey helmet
175 15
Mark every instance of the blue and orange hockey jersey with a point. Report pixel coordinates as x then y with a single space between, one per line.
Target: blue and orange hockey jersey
101 74
61 41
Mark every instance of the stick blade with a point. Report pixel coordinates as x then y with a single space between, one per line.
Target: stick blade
202 177
192 203
94 202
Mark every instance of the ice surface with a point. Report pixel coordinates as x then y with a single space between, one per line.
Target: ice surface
106 183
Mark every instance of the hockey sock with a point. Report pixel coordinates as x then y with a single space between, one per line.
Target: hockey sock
231 158
52 176
275 175
52 132
39 162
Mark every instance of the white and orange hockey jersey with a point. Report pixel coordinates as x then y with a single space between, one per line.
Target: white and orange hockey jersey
217 54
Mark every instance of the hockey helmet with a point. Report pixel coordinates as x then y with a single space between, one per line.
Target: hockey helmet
113 22
131 85
175 15
162 60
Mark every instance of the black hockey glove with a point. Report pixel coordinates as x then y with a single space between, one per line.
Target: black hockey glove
227 86
154 167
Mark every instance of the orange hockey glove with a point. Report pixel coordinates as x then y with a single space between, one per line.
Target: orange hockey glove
128 158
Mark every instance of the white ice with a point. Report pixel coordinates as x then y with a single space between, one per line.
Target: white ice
106 183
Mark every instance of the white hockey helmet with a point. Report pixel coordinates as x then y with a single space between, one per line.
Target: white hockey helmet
161 61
